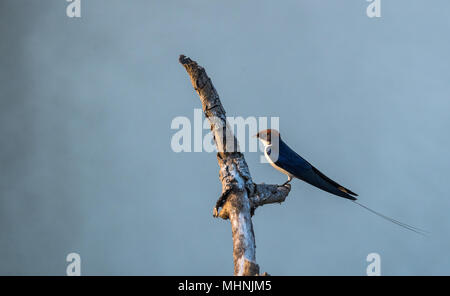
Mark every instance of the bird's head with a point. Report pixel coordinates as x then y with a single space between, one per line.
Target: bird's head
268 136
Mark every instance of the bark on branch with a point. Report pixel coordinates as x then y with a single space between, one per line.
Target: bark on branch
240 196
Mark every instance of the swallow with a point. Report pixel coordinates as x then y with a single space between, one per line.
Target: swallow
288 162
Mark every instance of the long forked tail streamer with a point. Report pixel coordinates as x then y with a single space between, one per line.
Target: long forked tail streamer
401 224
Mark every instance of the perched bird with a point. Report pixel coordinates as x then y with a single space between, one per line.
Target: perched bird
287 161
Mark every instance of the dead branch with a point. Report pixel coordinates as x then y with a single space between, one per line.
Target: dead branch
240 196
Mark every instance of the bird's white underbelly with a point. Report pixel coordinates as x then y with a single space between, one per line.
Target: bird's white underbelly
272 163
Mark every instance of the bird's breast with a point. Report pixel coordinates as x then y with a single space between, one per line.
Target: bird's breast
268 153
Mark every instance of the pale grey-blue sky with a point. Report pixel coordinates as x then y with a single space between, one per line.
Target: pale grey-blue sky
85 113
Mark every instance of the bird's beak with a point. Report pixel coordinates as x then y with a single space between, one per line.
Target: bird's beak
255 136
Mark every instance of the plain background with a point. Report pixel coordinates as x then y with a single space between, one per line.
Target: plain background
86 106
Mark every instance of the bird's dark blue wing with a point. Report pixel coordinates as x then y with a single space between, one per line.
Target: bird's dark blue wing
296 165
290 161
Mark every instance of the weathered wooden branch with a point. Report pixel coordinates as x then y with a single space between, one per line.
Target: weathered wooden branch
240 196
